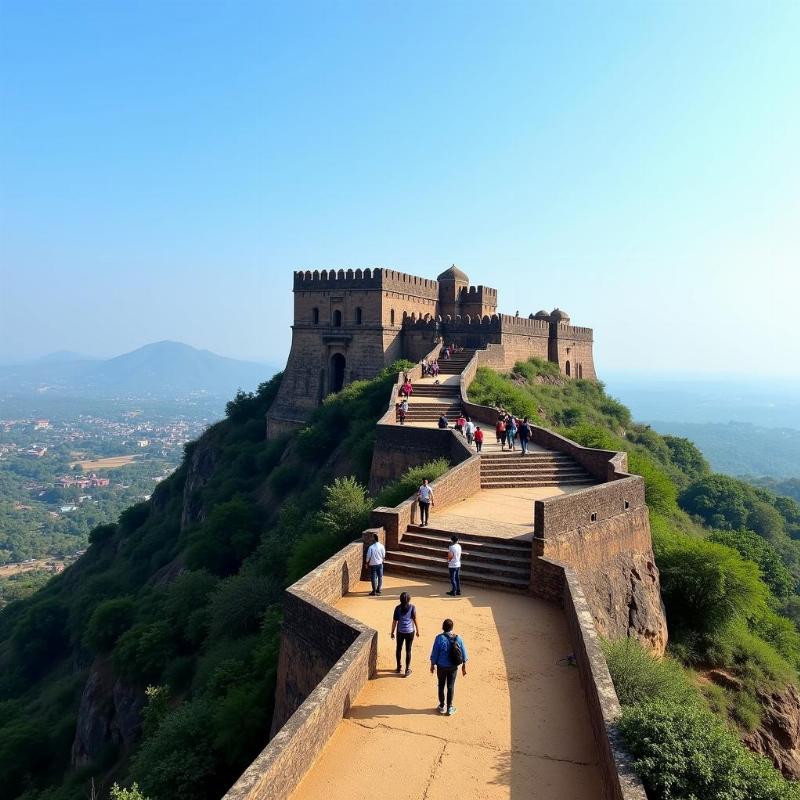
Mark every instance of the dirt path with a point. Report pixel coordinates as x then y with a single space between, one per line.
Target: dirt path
521 729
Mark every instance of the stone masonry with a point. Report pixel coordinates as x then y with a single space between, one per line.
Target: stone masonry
349 325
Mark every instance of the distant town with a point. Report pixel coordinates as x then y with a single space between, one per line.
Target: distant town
62 475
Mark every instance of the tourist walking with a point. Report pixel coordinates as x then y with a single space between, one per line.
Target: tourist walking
406 389
376 554
460 423
478 439
403 411
500 430
524 434
469 430
454 565
511 432
405 623
448 653
425 497
443 423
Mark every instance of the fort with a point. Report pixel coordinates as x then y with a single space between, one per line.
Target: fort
557 552
350 324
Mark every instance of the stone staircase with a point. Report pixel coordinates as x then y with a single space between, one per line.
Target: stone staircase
507 470
502 563
421 413
455 365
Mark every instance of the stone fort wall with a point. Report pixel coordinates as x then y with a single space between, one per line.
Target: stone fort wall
350 324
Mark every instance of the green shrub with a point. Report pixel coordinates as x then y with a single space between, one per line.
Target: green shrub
346 509
108 622
638 676
706 586
411 480
143 651
687 457
179 761
756 549
660 492
239 603
118 793
682 752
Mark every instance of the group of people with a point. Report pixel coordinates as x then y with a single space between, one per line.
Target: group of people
430 368
510 430
448 652
450 350
470 431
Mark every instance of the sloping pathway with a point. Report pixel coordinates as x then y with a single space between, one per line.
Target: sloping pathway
521 729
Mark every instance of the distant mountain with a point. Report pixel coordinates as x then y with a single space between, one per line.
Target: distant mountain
159 369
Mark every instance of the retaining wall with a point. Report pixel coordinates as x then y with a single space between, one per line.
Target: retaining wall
619 780
326 658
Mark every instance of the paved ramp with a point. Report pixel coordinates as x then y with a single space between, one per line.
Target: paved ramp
521 730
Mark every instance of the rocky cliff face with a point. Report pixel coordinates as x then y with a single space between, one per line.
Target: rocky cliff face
625 598
110 711
201 467
778 736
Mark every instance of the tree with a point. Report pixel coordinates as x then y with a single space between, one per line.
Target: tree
719 500
108 622
752 547
687 457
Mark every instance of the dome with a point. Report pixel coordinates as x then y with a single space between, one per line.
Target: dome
542 314
453 274
559 316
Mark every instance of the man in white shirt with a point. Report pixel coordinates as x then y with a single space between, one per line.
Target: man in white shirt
469 430
454 565
425 496
374 558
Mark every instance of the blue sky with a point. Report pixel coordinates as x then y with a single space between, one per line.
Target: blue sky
164 166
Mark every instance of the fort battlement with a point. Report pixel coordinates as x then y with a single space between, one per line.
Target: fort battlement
358 279
351 323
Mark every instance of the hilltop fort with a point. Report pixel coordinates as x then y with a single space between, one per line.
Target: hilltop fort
350 324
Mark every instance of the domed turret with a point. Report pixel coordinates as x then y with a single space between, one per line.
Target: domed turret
542 315
453 274
559 316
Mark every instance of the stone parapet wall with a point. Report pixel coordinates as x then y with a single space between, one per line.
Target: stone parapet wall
565 513
458 483
619 779
326 658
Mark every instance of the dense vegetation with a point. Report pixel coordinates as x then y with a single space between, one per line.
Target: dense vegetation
729 556
187 617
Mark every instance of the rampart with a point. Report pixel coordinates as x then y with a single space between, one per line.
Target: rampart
592 554
354 280
325 659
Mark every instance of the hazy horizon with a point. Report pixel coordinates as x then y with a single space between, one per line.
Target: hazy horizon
165 167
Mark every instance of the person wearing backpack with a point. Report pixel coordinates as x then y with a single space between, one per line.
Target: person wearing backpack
448 653
405 623
524 434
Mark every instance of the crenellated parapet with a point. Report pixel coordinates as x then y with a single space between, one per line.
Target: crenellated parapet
366 279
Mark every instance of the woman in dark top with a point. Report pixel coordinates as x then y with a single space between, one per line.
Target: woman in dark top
405 623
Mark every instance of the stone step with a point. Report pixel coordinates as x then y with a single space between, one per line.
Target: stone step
435 561
522 546
533 455
542 471
471 554
530 483
425 571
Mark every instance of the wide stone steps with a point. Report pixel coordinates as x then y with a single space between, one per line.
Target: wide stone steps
532 483
502 563
430 390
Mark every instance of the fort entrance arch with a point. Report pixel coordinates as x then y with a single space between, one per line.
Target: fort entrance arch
336 373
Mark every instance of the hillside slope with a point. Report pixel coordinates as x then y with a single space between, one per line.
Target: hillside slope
182 595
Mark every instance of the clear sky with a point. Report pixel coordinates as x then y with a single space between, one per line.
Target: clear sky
164 166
